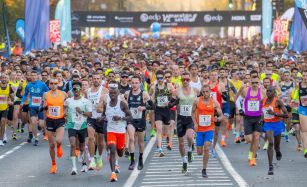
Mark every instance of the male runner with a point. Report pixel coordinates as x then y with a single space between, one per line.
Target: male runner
273 110
54 107
35 89
204 109
137 102
78 110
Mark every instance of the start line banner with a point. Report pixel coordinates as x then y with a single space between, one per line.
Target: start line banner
166 19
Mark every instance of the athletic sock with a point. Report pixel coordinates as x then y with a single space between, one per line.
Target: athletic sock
184 159
132 157
73 160
223 137
53 162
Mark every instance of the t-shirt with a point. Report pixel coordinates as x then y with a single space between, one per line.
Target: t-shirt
76 120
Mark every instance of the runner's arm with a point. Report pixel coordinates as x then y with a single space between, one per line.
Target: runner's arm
25 95
126 110
88 109
283 109
194 107
218 110
149 105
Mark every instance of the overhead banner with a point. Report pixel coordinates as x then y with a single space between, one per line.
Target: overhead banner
166 19
281 31
63 13
267 15
55 32
20 28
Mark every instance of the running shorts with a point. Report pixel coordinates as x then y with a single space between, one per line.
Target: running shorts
36 112
138 124
226 109
183 124
163 114
96 124
277 127
252 124
202 137
3 114
53 124
80 134
10 113
116 138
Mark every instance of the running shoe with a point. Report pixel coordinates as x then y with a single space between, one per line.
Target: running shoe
237 140
278 155
212 153
84 168
271 170
140 164
35 142
287 137
92 166
74 171
59 152
253 162
53 169
250 154
184 169
169 146
152 133
223 143
113 177
117 168
299 147
132 165
4 138
190 156
22 130
14 136
99 164
46 137
292 131
127 154
161 153
1 143
266 145
204 173
305 155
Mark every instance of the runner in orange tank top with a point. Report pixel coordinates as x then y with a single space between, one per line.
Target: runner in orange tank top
203 117
55 113
273 110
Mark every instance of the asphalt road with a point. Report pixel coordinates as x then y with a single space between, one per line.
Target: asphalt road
23 165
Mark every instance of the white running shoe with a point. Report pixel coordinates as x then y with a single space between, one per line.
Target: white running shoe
84 168
1 143
74 171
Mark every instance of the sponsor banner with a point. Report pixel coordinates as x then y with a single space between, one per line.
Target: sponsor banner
281 31
166 19
55 32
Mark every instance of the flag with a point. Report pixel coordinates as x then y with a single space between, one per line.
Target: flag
7 37
298 33
62 13
37 14
267 16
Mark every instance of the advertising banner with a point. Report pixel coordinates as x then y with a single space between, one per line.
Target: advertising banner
55 32
281 31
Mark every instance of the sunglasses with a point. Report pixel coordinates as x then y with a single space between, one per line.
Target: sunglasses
254 82
167 77
76 89
159 78
185 80
44 75
53 83
125 77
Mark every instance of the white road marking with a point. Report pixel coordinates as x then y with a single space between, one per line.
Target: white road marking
12 150
237 177
134 174
188 181
169 177
198 184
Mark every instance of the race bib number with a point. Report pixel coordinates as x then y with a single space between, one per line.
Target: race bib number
213 95
253 106
265 113
78 120
204 120
162 101
136 114
304 100
185 110
3 99
54 111
36 101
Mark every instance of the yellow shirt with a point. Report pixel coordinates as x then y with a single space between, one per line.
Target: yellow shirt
4 97
176 80
274 77
237 84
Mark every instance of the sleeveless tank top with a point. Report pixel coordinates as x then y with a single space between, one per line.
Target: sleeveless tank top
267 117
115 126
55 105
162 96
216 95
302 95
196 85
205 115
285 91
186 102
252 104
94 98
134 101
4 97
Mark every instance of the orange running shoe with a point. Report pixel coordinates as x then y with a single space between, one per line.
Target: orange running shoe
53 169
252 162
77 152
59 151
238 140
46 137
113 177
223 143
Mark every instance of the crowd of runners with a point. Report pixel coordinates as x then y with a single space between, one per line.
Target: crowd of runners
197 89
